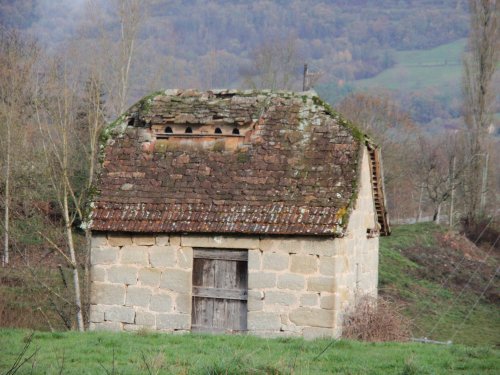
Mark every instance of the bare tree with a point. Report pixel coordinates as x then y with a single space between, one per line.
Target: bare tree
274 66
17 59
480 63
393 129
130 15
439 165
56 116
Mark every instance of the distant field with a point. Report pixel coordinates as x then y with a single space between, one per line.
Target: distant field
439 67
149 353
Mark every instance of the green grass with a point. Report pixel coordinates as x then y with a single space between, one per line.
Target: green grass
439 68
128 353
451 52
438 309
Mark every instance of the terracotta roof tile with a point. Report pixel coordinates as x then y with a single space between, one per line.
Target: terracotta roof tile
291 172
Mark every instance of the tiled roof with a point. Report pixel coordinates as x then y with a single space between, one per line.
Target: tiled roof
293 169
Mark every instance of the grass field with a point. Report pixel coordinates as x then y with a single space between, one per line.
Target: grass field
148 353
440 67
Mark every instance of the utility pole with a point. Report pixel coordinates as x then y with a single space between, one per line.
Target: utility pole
452 181
484 183
305 82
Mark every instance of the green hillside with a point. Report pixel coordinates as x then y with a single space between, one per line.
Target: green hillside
439 276
439 67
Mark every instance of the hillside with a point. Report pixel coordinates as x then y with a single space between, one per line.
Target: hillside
439 67
439 276
203 43
425 82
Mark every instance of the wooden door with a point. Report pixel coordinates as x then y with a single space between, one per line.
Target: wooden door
220 290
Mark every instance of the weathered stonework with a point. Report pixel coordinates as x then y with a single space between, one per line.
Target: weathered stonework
297 285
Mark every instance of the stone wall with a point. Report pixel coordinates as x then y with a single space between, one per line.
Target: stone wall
140 282
358 275
296 285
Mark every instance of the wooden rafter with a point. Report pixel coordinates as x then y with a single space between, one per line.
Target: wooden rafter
378 188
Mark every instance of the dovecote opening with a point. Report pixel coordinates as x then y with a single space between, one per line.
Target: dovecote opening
236 131
189 130
168 130
218 131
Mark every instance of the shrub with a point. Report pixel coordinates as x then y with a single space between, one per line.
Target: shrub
376 319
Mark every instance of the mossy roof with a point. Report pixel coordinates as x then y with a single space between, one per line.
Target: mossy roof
294 172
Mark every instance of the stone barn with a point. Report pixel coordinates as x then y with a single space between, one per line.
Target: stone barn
234 211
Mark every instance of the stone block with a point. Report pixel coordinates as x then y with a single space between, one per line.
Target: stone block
144 240
275 261
119 239
137 296
145 319
314 246
279 297
185 257
96 314
175 240
183 303
370 262
254 259
149 277
122 275
134 255
119 314
108 294
104 255
311 317
263 321
289 281
98 240
176 280
369 220
162 240
327 266
162 256
312 333
321 284
305 264
132 327
161 303
309 299
327 302
106 326
341 264
367 281
255 304
97 273
221 242
255 300
257 280
173 321
290 328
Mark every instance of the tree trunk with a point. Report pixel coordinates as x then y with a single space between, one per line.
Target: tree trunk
484 184
419 217
74 264
437 214
5 255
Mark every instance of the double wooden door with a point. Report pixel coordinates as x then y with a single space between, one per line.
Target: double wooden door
220 290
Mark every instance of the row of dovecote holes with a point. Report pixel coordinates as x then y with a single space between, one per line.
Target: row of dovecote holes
189 130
